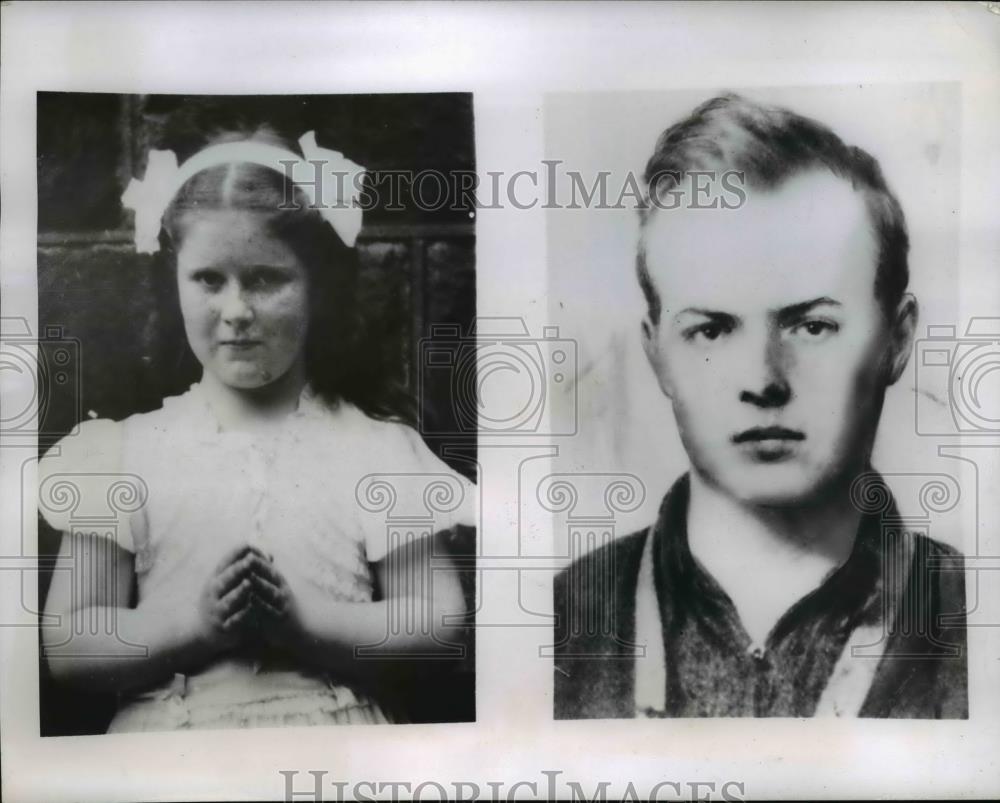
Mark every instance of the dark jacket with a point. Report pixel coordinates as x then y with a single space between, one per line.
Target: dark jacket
922 673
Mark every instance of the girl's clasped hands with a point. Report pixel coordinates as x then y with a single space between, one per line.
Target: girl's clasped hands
246 599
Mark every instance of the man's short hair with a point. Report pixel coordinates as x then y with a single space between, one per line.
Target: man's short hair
769 145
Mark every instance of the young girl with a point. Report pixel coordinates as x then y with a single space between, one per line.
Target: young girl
258 563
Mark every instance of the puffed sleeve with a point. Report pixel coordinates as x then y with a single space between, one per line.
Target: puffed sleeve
83 483
413 487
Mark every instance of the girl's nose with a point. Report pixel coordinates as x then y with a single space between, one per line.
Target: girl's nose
234 307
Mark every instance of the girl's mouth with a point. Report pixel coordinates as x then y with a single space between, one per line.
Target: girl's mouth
240 344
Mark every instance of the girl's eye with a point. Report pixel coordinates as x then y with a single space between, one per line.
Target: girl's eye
266 279
210 279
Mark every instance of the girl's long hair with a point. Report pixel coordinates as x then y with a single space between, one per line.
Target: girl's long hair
343 352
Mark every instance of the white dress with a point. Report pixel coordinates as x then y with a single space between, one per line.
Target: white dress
325 495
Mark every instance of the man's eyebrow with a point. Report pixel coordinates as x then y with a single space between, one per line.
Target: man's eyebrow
796 310
791 311
707 313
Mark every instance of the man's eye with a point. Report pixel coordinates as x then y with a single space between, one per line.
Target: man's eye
815 329
707 332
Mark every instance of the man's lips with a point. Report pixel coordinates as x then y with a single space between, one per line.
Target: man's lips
758 434
239 343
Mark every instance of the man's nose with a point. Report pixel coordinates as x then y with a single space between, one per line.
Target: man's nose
235 309
767 383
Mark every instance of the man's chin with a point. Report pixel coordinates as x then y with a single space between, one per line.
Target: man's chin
771 485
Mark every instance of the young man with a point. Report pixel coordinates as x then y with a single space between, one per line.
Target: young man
770 585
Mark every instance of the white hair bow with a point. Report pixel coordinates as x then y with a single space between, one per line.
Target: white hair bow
329 180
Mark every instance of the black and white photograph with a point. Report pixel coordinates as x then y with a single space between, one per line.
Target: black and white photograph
780 289
499 401
241 522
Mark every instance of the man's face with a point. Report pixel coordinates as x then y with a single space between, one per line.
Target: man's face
771 344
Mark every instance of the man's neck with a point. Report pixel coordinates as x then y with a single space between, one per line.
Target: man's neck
767 558
257 408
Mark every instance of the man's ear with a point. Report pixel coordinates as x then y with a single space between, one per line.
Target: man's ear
654 353
903 329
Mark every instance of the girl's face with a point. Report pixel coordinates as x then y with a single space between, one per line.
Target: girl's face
245 298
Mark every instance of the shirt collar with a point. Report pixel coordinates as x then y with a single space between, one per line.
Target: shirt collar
851 593
199 416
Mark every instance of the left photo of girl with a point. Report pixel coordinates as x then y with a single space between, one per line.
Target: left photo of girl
256 508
